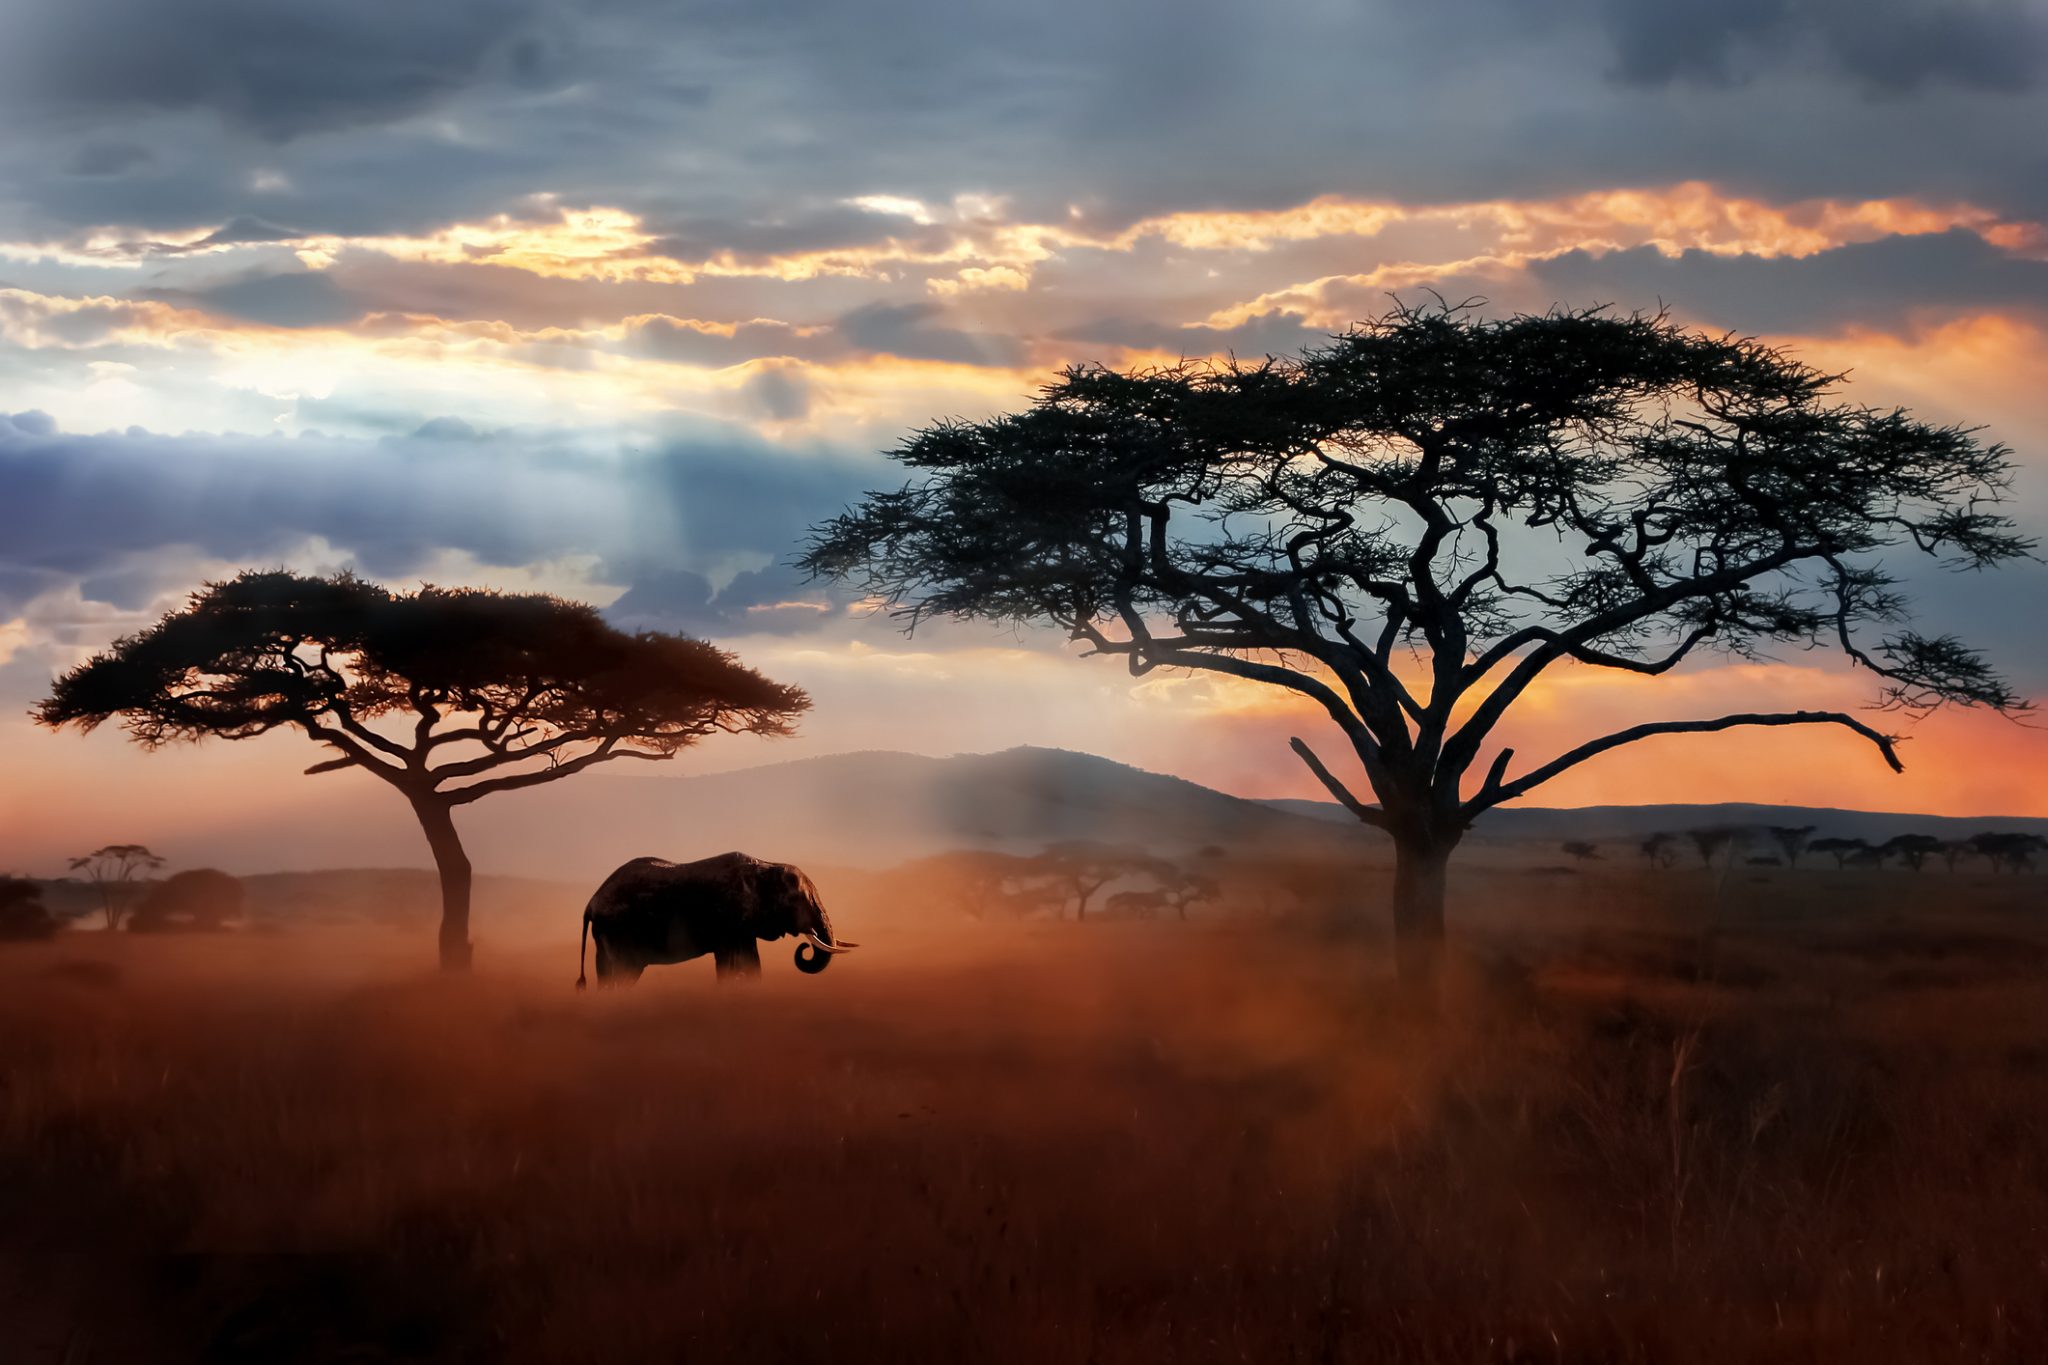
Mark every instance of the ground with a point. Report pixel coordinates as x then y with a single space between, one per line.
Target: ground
1659 1116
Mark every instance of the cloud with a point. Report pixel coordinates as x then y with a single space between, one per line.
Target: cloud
95 509
1269 333
279 69
109 158
779 393
1898 283
767 601
692 342
1884 284
297 298
1888 47
905 330
245 230
750 131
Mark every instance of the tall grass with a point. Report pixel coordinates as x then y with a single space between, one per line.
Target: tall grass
1652 1121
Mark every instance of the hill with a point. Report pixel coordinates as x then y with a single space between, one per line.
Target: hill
876 809
1597 823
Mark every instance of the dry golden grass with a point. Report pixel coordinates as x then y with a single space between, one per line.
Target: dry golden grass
1657 1118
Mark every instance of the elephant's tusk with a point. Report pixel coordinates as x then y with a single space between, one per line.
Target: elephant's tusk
824 947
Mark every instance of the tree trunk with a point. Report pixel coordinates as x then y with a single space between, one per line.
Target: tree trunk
438 820
1419 870
1081 905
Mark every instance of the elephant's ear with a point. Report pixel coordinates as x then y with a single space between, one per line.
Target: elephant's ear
789 894
757 893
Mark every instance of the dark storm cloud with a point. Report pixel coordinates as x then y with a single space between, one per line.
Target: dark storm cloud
1888 283
109 158
83 507
736 127
276 68
1892 284
1887 46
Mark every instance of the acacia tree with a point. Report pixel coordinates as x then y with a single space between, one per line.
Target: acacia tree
1179 888
1410 525
1842 849
113 870
1081 867
1657 850
1910 849
1791 840
2008 851
1711 841
448 695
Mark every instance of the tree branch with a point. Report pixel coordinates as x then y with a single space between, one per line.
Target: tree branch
1495 792
462 796
1370 815
357 754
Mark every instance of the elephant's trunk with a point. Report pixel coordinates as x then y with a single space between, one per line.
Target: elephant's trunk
817 947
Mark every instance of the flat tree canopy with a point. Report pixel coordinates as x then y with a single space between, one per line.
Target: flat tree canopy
1410 524
449 695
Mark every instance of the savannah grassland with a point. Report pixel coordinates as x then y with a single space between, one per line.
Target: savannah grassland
1659 1116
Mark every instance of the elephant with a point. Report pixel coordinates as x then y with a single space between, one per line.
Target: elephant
655 911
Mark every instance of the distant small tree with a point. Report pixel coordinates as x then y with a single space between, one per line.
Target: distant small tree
1791 841
23 917
201 900
1145 903
1580 849
1910 849
1842 849
2008 851
1173 888
1081 867
1495 497
1953 851
1710 842
113 872
447 695
1660 849
989 882
1179 888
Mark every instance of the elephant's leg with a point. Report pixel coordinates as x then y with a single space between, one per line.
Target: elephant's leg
616 969
738 961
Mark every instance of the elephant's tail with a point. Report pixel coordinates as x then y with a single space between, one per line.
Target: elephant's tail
581 948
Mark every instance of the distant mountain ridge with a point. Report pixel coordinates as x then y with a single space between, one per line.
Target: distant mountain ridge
1639 822
877 808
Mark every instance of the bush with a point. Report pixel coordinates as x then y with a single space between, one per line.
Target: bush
203 899
23 916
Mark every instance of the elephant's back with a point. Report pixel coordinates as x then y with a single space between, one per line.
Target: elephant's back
629 885
646 884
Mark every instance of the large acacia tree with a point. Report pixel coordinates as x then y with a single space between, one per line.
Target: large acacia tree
1410 524
448 695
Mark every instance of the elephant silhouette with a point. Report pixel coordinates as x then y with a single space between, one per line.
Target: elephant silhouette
652 911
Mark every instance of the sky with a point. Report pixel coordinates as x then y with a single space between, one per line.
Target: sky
614 298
